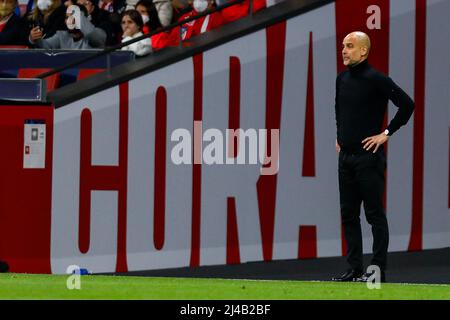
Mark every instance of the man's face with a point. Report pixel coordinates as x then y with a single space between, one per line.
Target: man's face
352 51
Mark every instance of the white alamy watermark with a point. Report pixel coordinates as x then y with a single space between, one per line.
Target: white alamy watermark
374 20
374 281
220 149
74 280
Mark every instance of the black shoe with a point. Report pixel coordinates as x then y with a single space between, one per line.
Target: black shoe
4 267
349 275
366 277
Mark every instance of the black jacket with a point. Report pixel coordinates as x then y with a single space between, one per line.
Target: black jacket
362 94
13 32
100 19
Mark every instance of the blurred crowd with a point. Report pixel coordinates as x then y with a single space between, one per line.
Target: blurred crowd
93 24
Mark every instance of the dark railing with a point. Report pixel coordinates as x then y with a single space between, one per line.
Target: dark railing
124 44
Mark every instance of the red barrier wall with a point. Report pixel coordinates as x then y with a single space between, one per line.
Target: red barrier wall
25 194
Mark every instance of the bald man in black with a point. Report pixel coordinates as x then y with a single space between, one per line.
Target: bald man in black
362 94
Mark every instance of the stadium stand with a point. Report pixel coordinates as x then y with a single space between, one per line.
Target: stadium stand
160 40
11 60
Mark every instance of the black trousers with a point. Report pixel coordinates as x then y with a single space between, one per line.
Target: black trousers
362 180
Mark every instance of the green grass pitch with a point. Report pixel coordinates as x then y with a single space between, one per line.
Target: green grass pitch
27 286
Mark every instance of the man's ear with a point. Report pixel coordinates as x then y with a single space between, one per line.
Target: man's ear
364 51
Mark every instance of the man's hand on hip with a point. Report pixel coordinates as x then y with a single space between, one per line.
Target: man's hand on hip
375 141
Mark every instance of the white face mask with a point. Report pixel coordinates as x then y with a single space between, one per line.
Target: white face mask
145 18
200 5
43 5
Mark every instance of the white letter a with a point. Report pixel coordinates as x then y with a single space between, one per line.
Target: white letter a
374 21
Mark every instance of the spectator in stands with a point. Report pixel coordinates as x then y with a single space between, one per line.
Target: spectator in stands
195 27
80 33
146 8
47 17
132 25
165 11
20 10
11 27
163 7
115 9
150 17
99 19
242 9
203 24
216 19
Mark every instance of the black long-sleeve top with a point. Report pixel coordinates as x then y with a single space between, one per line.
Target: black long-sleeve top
12 33
362 94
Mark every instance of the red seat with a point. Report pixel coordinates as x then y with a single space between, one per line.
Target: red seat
84 73
13 47
52 81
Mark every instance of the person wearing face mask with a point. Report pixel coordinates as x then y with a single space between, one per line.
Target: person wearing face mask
163 8
195 27
201 25
47 17
152 23
11 27
150 17
146 8
80 33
